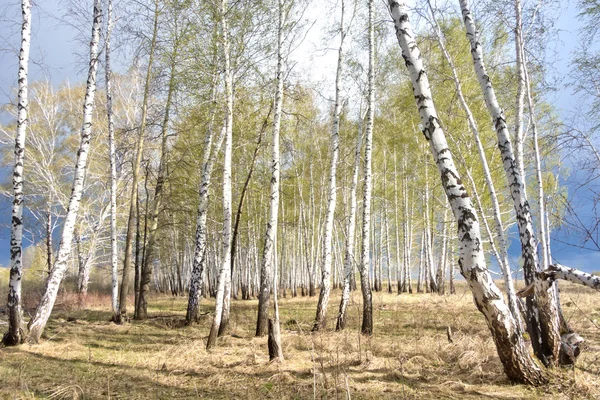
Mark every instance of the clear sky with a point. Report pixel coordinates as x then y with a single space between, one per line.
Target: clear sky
53 57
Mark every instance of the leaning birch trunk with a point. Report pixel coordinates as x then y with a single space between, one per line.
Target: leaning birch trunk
517 362
200 257
44 308
320 321
141 311
350 236
15 336
225 270
542 318
114 255
121 317
519 100
365 256
269 249
502 249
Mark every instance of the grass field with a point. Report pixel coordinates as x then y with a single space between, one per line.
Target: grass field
82 355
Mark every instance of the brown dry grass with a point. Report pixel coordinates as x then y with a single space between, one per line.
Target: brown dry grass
85 356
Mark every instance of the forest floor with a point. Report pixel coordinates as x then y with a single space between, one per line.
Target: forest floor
83 355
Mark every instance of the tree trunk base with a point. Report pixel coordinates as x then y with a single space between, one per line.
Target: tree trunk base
274 342
10 339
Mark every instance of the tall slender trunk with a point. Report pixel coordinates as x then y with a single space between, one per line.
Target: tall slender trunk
200 257
542 313
15 336
122 316
114 250
365 258
350 236
49 239
513 353
269 250
224 281
320 321
149 248
502 249
42 313
240 208
519 100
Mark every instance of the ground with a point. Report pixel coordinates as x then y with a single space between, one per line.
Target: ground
83 355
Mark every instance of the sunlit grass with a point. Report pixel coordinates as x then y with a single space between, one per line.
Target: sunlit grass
83 355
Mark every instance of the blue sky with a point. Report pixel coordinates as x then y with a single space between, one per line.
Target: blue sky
52 56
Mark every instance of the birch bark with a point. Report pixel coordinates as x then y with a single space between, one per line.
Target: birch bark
350 236
517 362
542 318
365 257
15 335
114 250
225 271
44 308
269 250
502 248
200 257
320 321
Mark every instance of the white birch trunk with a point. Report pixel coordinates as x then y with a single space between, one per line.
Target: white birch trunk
501 250
349 258
365 257
44 308
200 259
519 101
15 335
320 321
269 250
225 271
543 323
518 364
114 250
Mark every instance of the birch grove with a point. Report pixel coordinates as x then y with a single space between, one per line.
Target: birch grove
311 120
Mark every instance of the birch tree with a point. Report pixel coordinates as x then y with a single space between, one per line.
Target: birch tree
542 311
324 294
225 269
44 308
365 257
269 249
350 235
114 250
121 317
517 362
15 335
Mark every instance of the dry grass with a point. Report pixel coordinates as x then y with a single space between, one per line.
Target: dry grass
85 356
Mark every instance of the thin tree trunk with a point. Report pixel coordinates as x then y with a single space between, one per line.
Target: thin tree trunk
518 364
15 335
238 214
542 318
200 257
141 312
367 321
122 316
320 319
350 236
114 250
269 250
501 250
42 313
224 280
